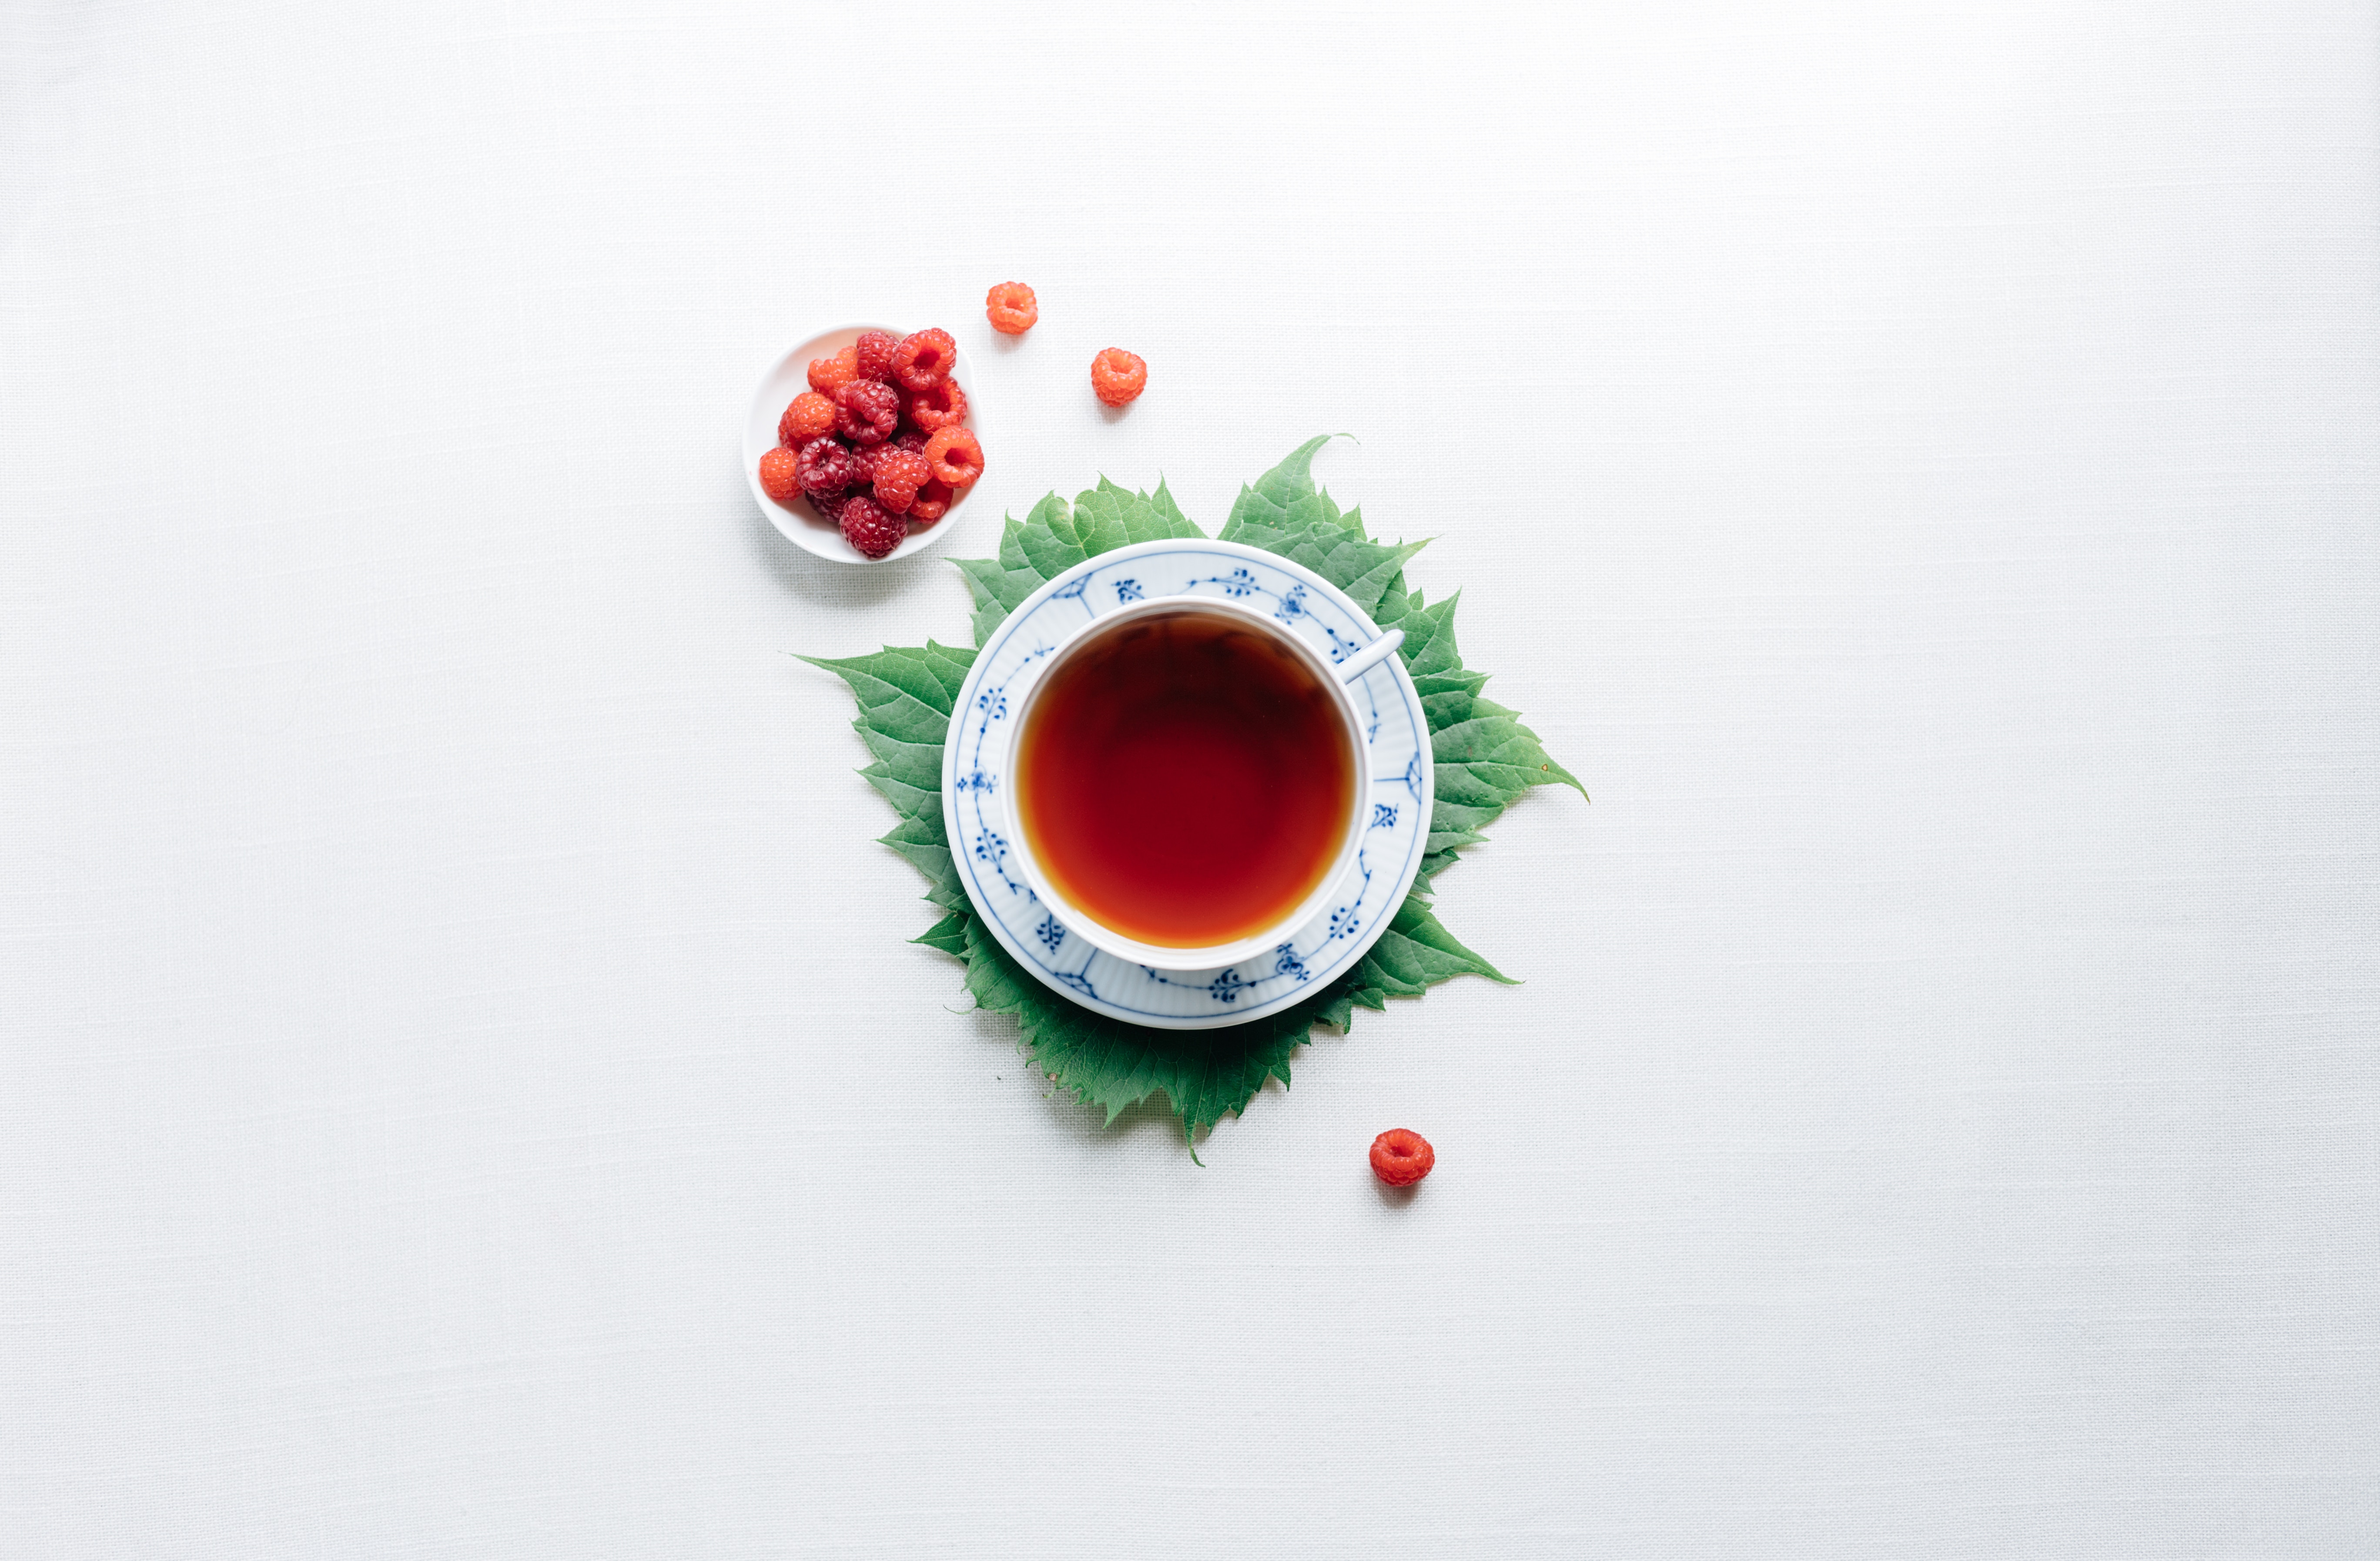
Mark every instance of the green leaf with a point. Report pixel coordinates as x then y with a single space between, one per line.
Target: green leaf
1054 540
1485 759
1162 502
998 589
1417 953
1117 512
903 694
1293 478
1363 570
914 764
949 933
928 850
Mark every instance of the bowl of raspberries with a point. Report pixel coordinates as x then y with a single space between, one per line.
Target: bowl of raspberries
861 440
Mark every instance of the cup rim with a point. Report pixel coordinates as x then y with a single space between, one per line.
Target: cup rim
1205 957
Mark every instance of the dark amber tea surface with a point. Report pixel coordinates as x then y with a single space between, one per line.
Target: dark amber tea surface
1185 779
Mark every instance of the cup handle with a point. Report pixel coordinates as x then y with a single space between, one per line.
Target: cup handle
1370 656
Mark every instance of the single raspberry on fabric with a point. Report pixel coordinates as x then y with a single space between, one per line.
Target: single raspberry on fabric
957 457
924 358
831 374
899 474
827 466
933 502
1401 1158
1118 376
778 478
869 527
875 355
938 406
866 412
807 416
1012 309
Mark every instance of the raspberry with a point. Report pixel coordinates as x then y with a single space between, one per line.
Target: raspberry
866 412
829 506
866 527
933 502
957 457
1012 309
777 478
807 416
828 467
909 439
831 374
1401 1158
872 456
937 407
899 474
875 355
923 358
1118 376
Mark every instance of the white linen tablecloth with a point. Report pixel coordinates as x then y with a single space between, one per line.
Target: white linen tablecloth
463 1088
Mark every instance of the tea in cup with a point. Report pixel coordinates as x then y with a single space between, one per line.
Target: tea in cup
1187 781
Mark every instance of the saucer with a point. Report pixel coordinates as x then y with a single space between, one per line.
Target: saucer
786 377
1395 836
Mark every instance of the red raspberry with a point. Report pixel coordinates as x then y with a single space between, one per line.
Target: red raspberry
866 412
831 374
827 466
777 476
899 474
866 527
1012 309
933 502
937 407
829 506
875 355
924 358
1118 376
807 416
1401 1158
909 439
871 457
957 457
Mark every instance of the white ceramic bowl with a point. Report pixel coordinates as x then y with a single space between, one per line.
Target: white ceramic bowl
1026 692
786 377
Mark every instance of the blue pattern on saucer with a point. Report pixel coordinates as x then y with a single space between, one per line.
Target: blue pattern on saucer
975 811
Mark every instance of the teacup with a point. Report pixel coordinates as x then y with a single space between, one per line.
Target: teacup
1187 780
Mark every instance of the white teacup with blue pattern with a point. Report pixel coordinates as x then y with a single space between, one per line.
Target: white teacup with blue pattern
1099 635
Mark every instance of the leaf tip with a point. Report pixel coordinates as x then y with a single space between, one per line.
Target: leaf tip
1556 776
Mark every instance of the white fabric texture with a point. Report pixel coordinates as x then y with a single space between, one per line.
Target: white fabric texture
464 1090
